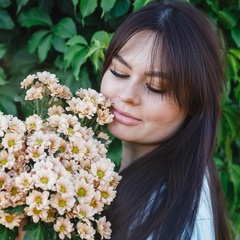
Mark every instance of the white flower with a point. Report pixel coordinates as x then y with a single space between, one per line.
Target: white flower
7 160
27 81
34 93
64 227
12 142
47 78
33 123
85 231
38 199
103 228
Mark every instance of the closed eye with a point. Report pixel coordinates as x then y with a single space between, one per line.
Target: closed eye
160 91
116 74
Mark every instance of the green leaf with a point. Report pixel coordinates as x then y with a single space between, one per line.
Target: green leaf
15 210
107 5
58 44
34 17
3 49
235 178
36 39
120 8
87 7
227 19
5 3
235 32
20 4
6 233
2 77
77 62
66 28
75 3
35 231
213 4
7 106
78 39
44 47
140 3
6 21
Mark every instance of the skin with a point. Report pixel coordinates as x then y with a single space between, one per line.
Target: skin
144 114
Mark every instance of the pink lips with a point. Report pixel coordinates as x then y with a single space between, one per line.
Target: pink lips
125 118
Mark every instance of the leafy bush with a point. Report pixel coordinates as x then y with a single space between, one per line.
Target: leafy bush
69 37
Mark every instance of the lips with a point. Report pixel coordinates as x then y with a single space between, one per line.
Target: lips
125 118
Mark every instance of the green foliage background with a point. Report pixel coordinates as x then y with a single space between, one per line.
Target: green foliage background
69 37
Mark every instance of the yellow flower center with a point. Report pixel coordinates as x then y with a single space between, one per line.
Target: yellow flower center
100 174
69 169
11 143
104 194
33 126
3 162
75 150
36 211
70 131
87 151
9 218
38 200
35 155
39 141
83 214
93 204
81 192
62 228
14 191
62 189
1 183
62 203
61 149
44 180
26 183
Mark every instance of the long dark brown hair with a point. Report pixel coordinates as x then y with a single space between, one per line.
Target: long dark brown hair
159 193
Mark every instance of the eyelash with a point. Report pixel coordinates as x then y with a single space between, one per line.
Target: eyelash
159 91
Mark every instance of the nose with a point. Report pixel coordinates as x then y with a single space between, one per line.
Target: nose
130 94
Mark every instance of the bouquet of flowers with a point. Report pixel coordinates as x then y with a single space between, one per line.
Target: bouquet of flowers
53 165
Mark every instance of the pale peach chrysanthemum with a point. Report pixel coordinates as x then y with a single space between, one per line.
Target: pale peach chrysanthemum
104 116
16 126
62 204
10 220
4 203
34 93
35 153
84 191
87 109
36 214
84 174
64 227
14 194
38 139
55 110
45 179
28 81
90 95
116 179
96 202
60 91
65 93
63 149
71 166
4 179
65 187
44 164
47 77
12 142
102 150
84 211
107 193
104 228
74 105
7 160
77 149
24 181
51 215
38 199
103 170
3 125
91 149
34 123
54 120
105 137
85 231
62 172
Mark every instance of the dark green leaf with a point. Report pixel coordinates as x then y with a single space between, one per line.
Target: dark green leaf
34 17
107 5
6 233
140 3
121 7
7 106
213 4
66 28
15 210
227 19
235 178
235 32
58 44
75 3
2 77
36 39
71 53
44 47
20 4
78 39
6 21
35 231
77 62
87 7
5 3
3 49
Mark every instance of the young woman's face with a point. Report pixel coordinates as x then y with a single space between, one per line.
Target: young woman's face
144 114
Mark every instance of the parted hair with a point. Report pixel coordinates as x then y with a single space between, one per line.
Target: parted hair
159 193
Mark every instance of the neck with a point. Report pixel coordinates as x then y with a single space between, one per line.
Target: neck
133 151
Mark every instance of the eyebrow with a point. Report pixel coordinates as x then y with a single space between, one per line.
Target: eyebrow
153 73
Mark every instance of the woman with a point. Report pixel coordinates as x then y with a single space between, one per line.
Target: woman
163 71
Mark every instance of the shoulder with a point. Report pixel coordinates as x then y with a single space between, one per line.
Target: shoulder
204 225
